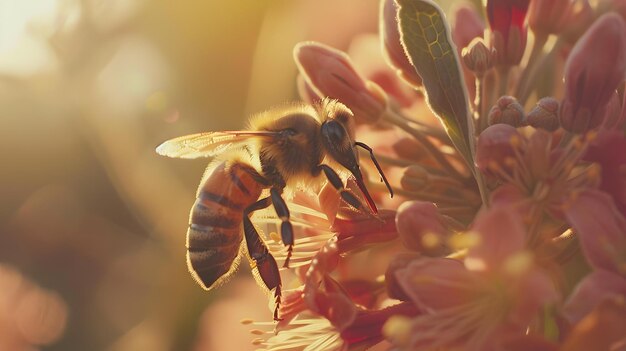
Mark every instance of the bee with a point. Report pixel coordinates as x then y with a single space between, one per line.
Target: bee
286 147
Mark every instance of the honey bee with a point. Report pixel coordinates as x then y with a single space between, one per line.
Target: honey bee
286 147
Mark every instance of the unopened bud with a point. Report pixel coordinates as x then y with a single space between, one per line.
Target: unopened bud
415 178
580 17
392 47
545 115
420 228
394 289
547 17
477 57
410 149
467 24
593 71
330 73
508 33
507 111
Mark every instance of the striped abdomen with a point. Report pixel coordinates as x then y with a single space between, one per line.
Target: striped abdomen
215 234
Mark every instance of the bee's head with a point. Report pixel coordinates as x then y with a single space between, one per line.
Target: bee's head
337 134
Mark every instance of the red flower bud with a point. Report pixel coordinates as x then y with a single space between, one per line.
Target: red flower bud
508 33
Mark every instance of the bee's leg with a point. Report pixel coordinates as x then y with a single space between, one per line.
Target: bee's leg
263 259
380 170
345 194
286 229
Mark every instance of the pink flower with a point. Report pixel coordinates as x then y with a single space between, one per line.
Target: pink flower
498 291
594 69
543 171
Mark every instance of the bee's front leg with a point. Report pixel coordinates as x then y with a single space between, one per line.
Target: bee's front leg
345 194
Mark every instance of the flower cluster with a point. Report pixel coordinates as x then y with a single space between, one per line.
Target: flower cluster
505 142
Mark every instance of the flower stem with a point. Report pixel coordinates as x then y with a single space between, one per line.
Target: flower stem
530 71
430 147
478 105
503 80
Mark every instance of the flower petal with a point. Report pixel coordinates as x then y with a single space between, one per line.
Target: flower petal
501 235
601 228
591 291
602 151
593 71
437 283
603 329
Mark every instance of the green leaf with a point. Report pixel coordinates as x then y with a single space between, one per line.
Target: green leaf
427 42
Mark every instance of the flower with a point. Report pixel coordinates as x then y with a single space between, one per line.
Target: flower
478 246
496 292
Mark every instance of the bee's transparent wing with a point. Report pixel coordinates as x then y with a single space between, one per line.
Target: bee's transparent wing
207 144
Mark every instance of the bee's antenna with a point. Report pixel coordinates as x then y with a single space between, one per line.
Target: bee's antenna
380 171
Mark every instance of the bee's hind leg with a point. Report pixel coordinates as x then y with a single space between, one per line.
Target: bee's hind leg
263 259
286 229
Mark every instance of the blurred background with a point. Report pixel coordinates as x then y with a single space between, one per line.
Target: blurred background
92 220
